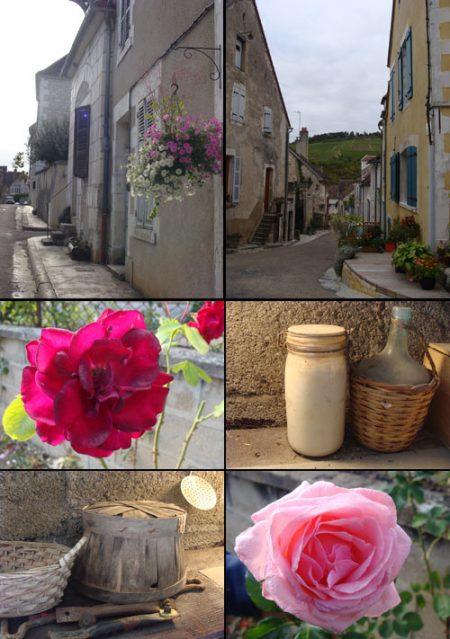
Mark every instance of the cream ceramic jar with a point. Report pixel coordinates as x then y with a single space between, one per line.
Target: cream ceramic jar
315 388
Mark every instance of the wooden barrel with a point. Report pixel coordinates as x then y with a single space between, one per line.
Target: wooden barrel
133 552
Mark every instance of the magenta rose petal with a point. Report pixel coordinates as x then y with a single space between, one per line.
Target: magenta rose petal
31 349
59 338
84 339
120 322
50 434
389 599
37 404
141 410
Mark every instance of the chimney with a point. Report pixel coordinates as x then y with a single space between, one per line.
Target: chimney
302 143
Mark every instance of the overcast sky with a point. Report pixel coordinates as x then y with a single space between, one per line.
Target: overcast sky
34 34
330 57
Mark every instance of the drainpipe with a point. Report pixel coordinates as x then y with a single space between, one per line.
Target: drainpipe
431 126
105 210
286 179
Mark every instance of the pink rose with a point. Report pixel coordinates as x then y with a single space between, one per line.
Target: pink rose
327 555
98 388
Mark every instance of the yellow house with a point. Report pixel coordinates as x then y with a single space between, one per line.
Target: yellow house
417 120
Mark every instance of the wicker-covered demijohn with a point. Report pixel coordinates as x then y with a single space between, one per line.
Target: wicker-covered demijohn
387 418
33 576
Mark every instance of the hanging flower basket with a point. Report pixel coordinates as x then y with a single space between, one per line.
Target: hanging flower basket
178 156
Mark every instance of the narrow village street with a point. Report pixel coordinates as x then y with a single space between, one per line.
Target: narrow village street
16 280
282 273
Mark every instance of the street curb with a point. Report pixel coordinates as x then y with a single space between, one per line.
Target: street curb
30 227
44 287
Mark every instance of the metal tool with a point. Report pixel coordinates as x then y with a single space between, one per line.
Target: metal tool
88 616
33 622
114 627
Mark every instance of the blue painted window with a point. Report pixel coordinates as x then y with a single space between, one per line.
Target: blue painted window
400 81
409 66
411 168
405 71
395 177
392 94
82 142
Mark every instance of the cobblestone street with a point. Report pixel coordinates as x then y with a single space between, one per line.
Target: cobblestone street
282 273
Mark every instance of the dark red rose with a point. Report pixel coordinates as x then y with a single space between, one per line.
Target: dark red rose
98 388
210 320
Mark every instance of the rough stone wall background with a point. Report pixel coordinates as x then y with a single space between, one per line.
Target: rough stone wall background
207 447
46 506
255 362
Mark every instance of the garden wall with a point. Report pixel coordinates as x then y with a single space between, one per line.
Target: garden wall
255 362
206 449
46 506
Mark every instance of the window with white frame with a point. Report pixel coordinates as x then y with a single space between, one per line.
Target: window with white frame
238 103
268 121
125 22
143 205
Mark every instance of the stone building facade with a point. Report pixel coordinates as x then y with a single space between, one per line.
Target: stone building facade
417 120
125 55
256 179
53 98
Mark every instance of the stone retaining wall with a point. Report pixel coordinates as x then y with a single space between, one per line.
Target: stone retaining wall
207 446
255 362
46 505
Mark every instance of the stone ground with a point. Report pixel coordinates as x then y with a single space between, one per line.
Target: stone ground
282 273
16 279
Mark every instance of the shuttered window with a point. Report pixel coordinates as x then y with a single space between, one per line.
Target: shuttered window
238 103
268 117
400 81
411 164
392 94
237 172
409 66
125 21
144 206
81 142
395 177
239 59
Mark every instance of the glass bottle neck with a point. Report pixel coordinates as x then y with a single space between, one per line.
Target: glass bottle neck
398 339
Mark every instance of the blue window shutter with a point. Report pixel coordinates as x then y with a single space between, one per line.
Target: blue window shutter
400 81
409 66
392 92
395 177
411 156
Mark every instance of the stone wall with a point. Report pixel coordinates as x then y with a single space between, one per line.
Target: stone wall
207 447
46 506
255 362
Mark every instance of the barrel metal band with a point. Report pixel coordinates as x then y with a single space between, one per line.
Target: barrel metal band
310 349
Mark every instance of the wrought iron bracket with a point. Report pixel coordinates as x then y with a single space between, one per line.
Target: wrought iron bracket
215 76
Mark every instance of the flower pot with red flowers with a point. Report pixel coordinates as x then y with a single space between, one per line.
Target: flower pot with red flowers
372 241
390 247
427 269
405 255
410 227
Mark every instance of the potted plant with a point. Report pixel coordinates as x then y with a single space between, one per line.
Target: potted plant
405 255
372 241
410 227
426 270
443 253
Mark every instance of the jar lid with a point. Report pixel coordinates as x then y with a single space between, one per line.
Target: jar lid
403 313
136 509
316 338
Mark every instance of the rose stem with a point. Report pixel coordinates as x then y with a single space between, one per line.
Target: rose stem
160 421
103 463
197 420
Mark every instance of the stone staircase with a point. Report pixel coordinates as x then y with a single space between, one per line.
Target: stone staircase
262 233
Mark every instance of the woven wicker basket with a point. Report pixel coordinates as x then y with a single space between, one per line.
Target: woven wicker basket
33 576
387 418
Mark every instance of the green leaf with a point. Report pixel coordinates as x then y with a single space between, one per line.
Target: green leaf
254 590
386 629
419 520
405 596
167 328
436 527
192 373
447 581
270 628
399 610
441 604
435 578
353 635
414 621
416 587
401 627
311 632
420 601
417 493
195 339
219 409
16 422
436 511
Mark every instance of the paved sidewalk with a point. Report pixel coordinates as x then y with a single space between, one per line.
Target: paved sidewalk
31 222
374 275
59 277
256 248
